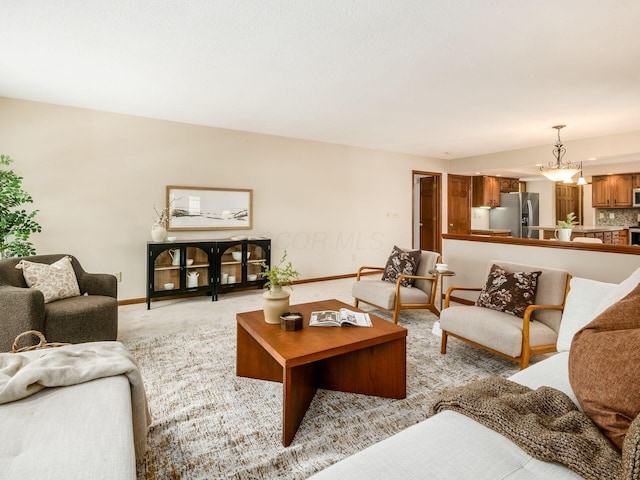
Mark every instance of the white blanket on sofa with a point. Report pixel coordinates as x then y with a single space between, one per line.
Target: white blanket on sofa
23 374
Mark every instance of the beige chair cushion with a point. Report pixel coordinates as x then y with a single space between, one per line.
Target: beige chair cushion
497 330
383 294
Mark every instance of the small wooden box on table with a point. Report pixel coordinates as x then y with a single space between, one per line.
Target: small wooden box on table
365 360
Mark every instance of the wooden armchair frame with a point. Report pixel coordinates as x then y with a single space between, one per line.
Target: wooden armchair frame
527 350
397 304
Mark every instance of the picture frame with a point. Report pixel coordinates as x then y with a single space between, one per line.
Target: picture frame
208 208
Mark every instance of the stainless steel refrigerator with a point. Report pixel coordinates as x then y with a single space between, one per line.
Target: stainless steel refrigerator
517 212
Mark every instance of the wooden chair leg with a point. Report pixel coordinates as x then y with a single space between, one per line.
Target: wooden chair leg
524 358
443 343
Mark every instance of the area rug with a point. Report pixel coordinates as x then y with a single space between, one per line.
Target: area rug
209 424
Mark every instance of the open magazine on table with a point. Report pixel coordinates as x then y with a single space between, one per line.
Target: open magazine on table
343 317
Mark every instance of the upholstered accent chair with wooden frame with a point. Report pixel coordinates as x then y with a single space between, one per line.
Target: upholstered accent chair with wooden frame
505 334
393 297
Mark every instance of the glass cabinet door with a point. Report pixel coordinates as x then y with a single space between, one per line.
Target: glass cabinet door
257 253
231 263
197 267
166 271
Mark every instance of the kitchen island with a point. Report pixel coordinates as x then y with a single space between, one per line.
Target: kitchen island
608 234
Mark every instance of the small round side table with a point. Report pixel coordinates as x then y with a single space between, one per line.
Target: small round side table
440 274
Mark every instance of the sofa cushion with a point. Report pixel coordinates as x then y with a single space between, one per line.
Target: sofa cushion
508 292
55 281
497 330
446 446
579 308
604 365
64 433
401 262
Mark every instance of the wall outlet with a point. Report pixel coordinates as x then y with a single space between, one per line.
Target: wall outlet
601 215
612 216
118 276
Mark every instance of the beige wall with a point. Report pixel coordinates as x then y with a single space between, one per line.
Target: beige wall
96 176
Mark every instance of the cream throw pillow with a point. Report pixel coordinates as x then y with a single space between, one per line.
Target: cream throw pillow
55 281
579 308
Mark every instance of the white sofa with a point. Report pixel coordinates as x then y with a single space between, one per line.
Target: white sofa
450 445
81 431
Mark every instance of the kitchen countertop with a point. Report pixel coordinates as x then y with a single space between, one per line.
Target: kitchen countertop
489 231
585 228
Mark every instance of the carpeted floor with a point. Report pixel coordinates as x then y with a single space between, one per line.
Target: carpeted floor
208 423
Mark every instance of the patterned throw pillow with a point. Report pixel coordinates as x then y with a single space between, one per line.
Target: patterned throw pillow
401 262
55 281
506 292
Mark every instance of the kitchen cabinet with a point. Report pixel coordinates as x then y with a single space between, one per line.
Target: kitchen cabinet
485 192
612 191
208 266
459 204
623 237
509 185
636 180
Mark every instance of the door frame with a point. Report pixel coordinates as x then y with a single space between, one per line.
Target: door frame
415 207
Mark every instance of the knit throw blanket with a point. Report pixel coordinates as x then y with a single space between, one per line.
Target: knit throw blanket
547 425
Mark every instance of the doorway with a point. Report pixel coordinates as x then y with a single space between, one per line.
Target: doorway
427 211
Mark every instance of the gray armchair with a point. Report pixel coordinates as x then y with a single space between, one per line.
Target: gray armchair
86 318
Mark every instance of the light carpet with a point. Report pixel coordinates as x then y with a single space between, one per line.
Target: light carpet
208 423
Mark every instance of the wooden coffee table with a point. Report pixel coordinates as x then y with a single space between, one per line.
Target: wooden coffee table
366 360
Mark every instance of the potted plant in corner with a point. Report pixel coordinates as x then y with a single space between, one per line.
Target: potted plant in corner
563 233
16 225
276 299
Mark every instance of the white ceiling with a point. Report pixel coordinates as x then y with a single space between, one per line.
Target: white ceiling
445 78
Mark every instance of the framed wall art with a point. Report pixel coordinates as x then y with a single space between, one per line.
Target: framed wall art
202 208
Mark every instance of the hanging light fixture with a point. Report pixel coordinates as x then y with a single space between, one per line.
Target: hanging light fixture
559 171
581 180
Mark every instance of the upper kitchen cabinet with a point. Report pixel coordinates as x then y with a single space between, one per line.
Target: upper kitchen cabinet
636 180
612 191
485 192
509 185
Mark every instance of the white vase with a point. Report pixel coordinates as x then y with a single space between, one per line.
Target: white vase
563 234
158 232
274 304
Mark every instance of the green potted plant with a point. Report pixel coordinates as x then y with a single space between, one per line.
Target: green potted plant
276 300
16 224
565 227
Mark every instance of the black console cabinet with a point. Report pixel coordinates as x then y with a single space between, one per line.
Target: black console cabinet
207 266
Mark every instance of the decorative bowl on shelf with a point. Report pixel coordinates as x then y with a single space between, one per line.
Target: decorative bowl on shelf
168 286
189 261
252 277
237 256
171 239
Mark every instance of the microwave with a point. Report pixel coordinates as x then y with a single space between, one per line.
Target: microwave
636 197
